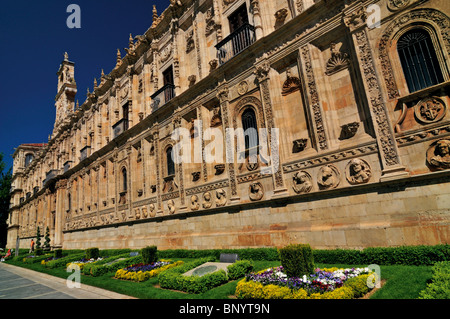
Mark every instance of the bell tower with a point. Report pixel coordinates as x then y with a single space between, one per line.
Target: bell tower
67 89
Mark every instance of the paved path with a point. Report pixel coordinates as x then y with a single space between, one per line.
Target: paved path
21 283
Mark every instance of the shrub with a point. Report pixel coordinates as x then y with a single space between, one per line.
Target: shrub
92 253
149 254
239 269
439 288
58 253
358 285
297 260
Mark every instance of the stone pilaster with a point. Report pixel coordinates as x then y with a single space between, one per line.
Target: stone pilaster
223 96
384 132
262 76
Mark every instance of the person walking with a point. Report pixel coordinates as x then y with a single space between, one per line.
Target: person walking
32 246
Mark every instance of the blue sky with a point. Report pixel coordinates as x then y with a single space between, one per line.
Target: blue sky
34 36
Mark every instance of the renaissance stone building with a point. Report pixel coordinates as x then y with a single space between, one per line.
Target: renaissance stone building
358 91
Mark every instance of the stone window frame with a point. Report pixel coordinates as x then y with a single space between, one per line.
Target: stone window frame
435 23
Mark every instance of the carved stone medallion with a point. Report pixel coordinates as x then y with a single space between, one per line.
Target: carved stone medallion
395 5
302 182
221 197
328 177
430 110
438 155
256 191
358 171
242 88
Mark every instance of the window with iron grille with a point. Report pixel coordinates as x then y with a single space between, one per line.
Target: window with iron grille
250 126
170 162
419 60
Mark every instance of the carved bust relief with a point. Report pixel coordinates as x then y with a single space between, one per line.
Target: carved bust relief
302 182
171 207
358 171
221 197
438 155
256 191
328 177
195 205
207 200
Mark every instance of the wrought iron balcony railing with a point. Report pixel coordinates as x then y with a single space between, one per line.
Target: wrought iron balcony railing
120 127
162 96
235 43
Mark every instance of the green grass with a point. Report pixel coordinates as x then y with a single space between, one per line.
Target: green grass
402 282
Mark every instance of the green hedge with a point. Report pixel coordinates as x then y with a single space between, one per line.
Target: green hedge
102 267
269 254
239 269
439 288
62 262
404 255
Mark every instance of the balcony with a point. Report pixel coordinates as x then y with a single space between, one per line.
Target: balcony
120 127
84 153
235 43
162 96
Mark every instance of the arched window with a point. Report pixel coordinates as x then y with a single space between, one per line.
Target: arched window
28 159
250 127
124 180
69 202
419 60
170 163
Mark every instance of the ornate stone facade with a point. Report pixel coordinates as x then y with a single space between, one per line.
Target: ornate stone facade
349 157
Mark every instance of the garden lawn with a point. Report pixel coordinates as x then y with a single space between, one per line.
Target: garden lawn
403 282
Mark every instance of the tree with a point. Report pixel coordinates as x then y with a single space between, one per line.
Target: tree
38 238
47 239
5 197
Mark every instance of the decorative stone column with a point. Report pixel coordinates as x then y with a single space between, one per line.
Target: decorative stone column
155 138
257 19
262 76
387 146
312 96
177 124
223 96
61 186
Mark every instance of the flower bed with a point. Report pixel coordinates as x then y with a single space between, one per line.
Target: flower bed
83 261
142 272
331 283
